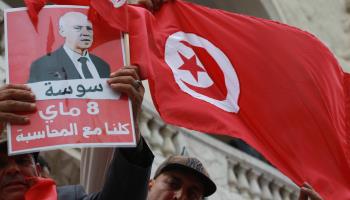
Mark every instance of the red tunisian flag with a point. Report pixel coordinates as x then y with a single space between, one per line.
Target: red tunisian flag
114 12
71 2
274 86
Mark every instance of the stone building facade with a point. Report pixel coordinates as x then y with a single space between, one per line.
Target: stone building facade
238 175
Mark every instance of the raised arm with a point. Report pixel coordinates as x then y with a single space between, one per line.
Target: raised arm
129 172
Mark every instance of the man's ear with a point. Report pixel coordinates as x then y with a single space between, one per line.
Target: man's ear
62 32
38 169
150 184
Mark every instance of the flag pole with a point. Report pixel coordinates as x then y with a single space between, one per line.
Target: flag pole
126 48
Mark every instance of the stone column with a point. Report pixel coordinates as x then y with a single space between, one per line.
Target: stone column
93 166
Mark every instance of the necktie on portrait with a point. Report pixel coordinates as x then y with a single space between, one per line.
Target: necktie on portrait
84 67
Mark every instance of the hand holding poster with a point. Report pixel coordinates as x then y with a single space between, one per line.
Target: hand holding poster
66 63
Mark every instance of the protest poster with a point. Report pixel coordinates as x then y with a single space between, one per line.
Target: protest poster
52 59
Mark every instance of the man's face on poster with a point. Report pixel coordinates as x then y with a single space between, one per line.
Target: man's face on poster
77 31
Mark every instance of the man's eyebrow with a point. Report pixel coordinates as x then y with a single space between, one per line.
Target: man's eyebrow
173 176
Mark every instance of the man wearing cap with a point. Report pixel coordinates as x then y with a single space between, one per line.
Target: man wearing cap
181 177
185 178
128 172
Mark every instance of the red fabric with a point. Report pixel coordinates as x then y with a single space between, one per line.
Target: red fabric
50 38
141 38
71 2
347 104
43 189
291 100
34 6
117 17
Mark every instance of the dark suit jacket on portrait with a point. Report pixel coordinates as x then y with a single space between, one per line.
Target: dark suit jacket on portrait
127 177
58 66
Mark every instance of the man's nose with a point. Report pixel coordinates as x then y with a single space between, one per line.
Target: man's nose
85 31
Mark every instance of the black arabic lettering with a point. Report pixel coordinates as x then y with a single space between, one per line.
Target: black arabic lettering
82 90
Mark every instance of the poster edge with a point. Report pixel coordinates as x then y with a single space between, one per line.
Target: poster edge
56 147
79 145
123 41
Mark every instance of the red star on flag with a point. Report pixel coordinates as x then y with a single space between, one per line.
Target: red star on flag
190 65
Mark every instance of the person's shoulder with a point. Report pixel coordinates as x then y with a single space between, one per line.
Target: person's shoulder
69 192
95 58
47 57
102 66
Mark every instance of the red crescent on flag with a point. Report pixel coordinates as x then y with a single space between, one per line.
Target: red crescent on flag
218 90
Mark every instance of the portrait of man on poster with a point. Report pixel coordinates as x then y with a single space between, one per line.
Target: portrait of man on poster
72 60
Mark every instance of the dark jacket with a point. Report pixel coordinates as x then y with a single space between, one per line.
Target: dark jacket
58 66
127 177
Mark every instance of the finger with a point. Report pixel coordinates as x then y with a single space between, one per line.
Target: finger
126 80
312 194
126 89
15 86
122 79
132 67
137 84
126 72
13 118
17 94
136 69
307 185
16 106
133 94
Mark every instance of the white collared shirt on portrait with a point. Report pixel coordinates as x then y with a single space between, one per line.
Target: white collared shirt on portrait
74 56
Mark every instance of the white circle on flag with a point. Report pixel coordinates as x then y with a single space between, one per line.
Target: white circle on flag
118 3
176 51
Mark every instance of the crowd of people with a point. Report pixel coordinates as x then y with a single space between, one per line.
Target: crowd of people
128 176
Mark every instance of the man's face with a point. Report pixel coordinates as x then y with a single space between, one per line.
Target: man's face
171 185
13 173
78 32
